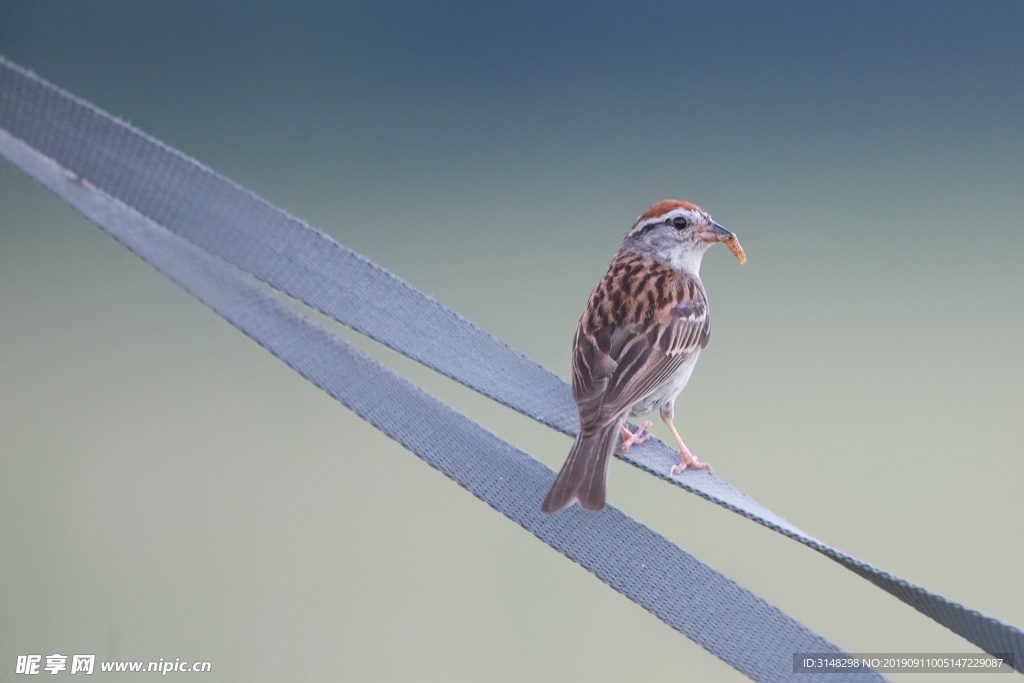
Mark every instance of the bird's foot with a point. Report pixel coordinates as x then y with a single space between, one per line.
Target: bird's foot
689 460
630 439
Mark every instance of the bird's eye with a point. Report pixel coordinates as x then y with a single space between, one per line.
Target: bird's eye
679 222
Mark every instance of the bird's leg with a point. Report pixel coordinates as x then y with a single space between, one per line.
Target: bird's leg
686 458
634 438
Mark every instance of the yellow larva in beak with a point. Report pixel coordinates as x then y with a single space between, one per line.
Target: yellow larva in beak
736 249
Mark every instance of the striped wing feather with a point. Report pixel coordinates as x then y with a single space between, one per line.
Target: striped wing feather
618 363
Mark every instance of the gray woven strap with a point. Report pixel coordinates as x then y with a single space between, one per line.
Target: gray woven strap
96 162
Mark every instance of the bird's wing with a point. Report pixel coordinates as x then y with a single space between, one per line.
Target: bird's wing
616 364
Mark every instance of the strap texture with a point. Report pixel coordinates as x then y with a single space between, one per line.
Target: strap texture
188 222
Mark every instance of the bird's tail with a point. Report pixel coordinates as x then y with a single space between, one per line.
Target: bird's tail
584 473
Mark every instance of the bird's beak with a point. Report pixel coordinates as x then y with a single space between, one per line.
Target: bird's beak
715 233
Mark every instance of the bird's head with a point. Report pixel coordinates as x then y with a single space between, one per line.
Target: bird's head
677 233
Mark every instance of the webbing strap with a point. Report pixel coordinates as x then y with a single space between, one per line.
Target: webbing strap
183 197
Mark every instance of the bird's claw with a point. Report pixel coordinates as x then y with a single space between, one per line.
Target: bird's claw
688 460
630 439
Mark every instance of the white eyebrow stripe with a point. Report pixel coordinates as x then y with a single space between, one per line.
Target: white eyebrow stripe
640 227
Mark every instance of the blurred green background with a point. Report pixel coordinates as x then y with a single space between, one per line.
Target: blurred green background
168 489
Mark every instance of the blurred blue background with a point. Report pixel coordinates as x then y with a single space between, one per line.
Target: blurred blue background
170 490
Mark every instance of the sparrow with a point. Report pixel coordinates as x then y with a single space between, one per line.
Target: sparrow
636 344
